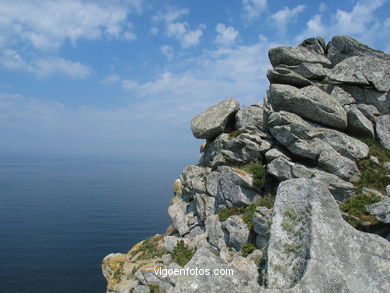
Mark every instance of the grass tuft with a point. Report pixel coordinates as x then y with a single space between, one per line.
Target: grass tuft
258 171
247 249
182 254
248 211
355 206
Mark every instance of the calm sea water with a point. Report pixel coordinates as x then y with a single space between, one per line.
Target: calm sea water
59 216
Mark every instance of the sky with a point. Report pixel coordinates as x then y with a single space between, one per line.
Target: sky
125 77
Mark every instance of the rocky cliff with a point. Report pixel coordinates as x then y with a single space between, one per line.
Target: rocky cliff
291 193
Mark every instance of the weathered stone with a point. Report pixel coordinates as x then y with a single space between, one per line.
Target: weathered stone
212 181
309 70
237 232
371 191
284 170
358 124
342 47
276 153
193 179
250 118
216 236
212 122
374 159
382 126
292 131
238 150
380 210
295 56
388 190
315 44
239 281
310 102
342 96
370 96
177 212
205 205
363 71
313 249
285 76
330 160
236 187
261 225
370 111
310 142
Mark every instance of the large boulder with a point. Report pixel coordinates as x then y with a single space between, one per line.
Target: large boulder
315 44
313 71
343 47
334 151
212 122
359 124
310 103
283 169
237 232
231 279
363 71
250 118
228 149
383 130
193 179
295 56
285 76
312 249
235 187
380 210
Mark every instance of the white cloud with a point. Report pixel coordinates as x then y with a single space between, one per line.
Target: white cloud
171 14
111 79
46 24
226 35
179 30
361 22
252 9
44 67
12 60
238 71
284 16
167 51
50 66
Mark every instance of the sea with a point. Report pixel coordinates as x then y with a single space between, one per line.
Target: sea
60 215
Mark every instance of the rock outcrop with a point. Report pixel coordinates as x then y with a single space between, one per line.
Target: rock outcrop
290 194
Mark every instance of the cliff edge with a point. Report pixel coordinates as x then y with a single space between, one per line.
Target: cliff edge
290 195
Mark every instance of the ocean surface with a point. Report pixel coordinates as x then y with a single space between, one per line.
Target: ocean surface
60 215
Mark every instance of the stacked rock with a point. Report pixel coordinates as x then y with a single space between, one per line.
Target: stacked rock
302 147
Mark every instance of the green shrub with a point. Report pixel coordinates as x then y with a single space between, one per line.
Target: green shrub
154 289
377 150
267 201
372 174
225 213
258 171
248 211
234 134
355 206
150 248
247 249
182 254
247 217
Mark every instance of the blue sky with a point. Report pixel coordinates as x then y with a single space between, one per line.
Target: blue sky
125 77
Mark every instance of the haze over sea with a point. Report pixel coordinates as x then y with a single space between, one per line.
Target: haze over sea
60 215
